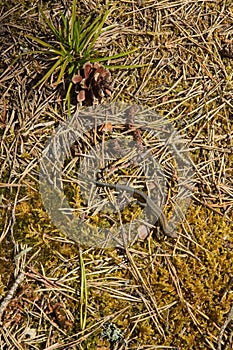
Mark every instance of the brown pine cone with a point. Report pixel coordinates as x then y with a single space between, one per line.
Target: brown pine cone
92 84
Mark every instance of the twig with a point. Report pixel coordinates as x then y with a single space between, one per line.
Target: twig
226 323
10 294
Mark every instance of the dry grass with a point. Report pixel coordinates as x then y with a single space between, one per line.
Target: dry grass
161 293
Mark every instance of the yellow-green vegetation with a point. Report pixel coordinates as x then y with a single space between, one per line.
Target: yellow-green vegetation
159 292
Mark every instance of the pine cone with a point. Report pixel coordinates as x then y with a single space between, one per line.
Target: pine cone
92 84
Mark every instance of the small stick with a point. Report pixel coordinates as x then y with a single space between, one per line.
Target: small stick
10 294
228 320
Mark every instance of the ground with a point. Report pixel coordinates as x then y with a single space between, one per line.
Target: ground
158 292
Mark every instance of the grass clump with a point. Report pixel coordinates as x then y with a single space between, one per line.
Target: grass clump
73 45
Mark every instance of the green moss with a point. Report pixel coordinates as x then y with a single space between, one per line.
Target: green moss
191 289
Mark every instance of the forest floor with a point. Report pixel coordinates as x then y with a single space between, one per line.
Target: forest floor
157 292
